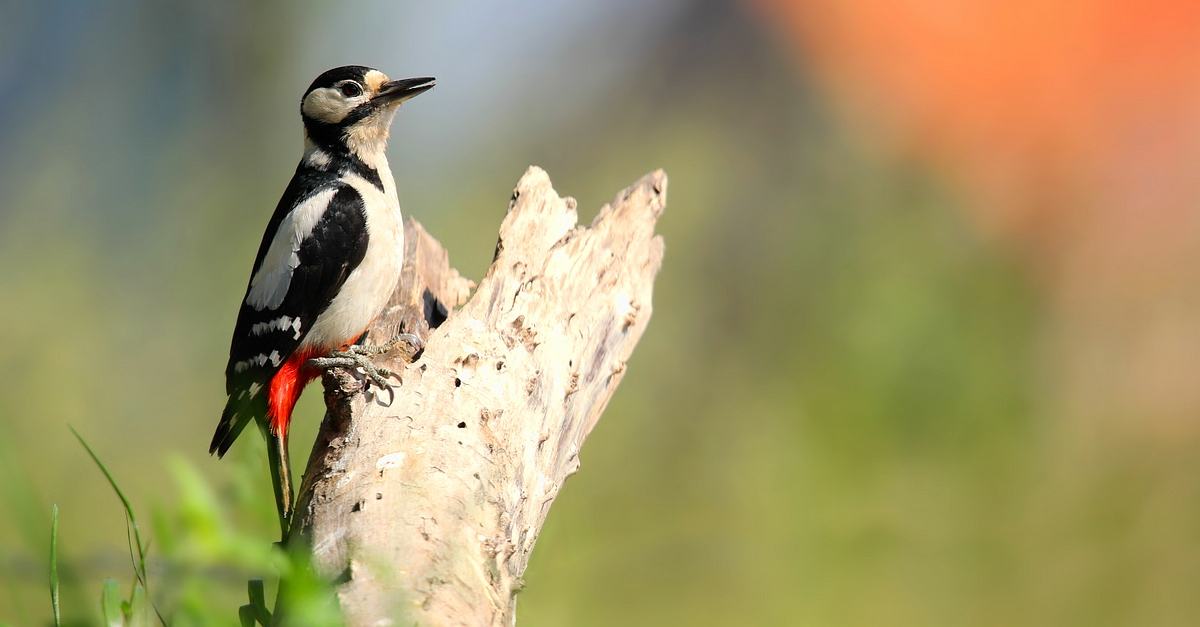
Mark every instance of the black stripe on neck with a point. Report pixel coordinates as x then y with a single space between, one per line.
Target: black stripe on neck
339 164
330 139
351 162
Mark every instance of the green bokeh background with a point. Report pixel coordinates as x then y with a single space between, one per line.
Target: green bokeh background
837 416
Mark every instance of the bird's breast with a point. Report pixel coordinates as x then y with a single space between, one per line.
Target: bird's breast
370 285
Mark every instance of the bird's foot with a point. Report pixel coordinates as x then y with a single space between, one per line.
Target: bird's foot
357 356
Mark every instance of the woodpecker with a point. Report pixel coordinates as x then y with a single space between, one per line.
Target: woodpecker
327 264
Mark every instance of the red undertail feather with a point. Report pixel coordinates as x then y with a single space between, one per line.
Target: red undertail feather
285 389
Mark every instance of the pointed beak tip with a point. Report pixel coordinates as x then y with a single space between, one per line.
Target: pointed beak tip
400 90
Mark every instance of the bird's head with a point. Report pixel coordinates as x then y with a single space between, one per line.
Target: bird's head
349 109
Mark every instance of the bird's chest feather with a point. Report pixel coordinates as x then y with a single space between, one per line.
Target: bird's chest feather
369 286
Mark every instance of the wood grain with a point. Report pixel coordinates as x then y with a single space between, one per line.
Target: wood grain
425 509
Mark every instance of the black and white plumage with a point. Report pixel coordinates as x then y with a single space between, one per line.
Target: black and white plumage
329 259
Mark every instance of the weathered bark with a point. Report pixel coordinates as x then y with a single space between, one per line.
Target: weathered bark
425 510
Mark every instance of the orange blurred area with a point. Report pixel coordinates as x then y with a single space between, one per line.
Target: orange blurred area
1031 104
1073 130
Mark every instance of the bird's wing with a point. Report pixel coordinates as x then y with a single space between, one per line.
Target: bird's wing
305 257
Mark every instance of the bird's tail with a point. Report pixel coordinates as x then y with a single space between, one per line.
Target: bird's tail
281 474
283 392
241 411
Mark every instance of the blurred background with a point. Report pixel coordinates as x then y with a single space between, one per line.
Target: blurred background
925 348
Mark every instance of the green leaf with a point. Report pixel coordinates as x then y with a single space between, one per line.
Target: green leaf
254 589
110 604
54 565
258 602
246 615
138 616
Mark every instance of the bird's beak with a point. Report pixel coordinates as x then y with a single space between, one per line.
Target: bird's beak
395 92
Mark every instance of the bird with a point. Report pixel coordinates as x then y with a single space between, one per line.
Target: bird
328 263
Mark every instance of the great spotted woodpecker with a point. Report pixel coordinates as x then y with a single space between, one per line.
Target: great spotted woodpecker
327 264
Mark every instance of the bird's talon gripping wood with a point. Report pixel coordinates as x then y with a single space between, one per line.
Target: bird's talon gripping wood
408 338
327 264
356 358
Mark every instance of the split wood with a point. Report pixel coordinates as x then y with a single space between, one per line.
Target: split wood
424 507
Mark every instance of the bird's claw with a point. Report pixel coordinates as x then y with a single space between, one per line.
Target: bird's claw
359 357
353 360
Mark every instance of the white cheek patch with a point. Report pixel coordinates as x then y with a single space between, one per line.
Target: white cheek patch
269 286
328 105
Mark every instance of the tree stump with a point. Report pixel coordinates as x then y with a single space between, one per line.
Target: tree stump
424 507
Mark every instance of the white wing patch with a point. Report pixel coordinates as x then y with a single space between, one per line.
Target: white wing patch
259 360
255 388
279 324
269 286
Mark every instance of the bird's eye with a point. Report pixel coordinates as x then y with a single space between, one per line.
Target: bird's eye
351 89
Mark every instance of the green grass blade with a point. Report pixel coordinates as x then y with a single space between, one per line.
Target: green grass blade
54 566
138 617
254 590
246 615
258 602
140 568
110 604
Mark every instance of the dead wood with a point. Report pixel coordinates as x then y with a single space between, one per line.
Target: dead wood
425 510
